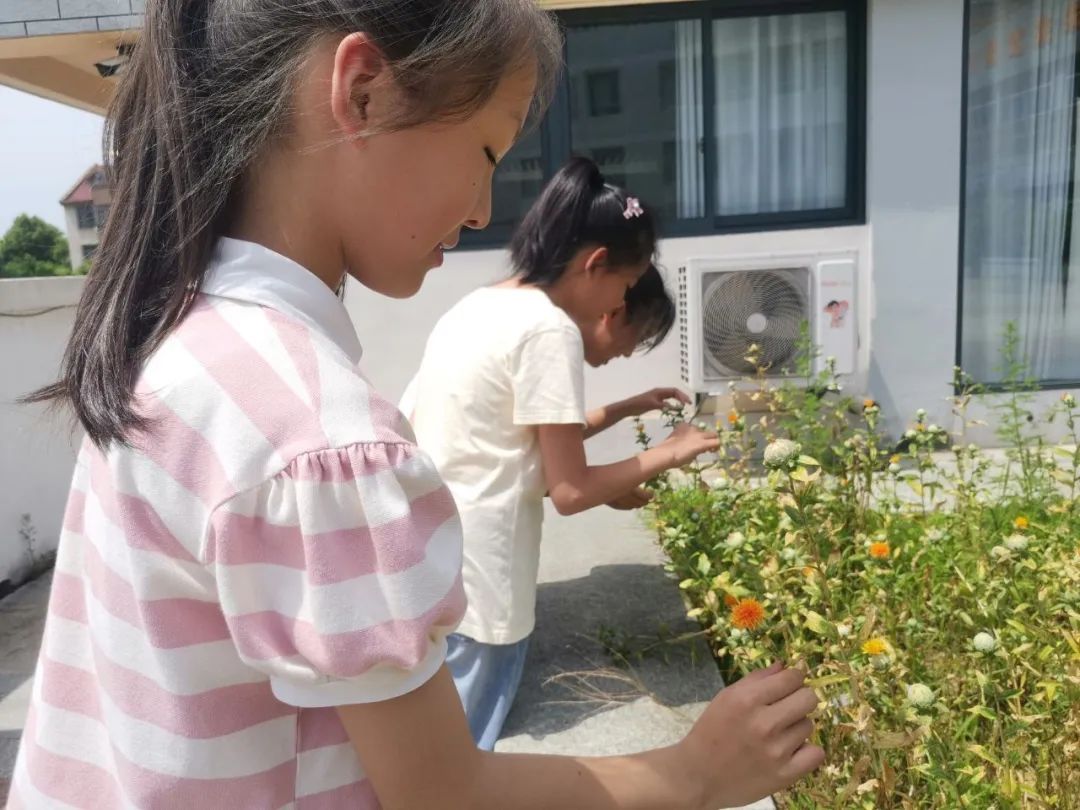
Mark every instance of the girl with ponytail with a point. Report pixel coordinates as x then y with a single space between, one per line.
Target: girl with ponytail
498 403
259 567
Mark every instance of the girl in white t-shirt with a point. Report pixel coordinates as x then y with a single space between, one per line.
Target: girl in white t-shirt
498 403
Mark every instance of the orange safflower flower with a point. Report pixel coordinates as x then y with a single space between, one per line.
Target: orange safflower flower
879 551
747 614
733 417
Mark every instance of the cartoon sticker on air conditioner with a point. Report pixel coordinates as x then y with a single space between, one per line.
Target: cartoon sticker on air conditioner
837 311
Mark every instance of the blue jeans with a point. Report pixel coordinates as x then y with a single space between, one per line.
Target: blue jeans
487 677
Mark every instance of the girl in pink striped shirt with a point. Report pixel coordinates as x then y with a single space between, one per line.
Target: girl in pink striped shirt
259 568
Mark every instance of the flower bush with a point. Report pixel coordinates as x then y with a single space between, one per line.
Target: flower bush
932 594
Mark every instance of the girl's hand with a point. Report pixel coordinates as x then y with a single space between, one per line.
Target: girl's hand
634 499
654 400
687 442
753 739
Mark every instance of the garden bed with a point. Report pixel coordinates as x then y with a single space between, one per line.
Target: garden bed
933 600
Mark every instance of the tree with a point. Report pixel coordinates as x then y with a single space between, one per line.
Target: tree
33 247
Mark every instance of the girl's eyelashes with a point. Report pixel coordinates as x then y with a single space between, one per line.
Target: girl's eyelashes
491 157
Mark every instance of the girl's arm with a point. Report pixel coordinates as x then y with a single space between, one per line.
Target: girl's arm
574 486
602 418
418 753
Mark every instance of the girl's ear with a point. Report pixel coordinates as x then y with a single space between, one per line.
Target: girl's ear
597 260
356 89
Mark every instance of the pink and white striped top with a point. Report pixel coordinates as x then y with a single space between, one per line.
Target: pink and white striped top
274 547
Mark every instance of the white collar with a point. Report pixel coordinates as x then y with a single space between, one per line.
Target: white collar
249 272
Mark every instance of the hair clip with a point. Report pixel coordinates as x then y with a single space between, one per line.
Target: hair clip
633 208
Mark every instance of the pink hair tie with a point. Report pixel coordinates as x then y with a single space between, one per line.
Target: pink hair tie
633 208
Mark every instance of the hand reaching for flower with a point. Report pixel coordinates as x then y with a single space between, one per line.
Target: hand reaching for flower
687 442
654 400
752 739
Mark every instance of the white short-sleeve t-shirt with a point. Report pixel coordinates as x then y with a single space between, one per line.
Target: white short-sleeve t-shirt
499 363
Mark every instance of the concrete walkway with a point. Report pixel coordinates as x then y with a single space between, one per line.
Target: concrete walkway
603 588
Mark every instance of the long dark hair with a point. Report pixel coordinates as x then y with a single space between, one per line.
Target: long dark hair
650 308
208 86
577 209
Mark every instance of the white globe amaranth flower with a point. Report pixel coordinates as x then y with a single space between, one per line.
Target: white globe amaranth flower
934 429
1016 542
719 482
920 414
781 453
920 695
788 553
894 468
843 630
984 642
735 539
1000 552
881 662
911 434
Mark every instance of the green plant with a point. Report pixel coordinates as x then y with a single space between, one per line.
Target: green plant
932 595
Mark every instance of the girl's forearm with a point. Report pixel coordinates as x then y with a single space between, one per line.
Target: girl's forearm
595 486
607 416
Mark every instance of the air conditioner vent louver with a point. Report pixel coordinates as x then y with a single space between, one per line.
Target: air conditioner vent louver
763 308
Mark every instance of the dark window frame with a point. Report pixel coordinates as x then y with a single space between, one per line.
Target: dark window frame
84 216
1052 384
556 127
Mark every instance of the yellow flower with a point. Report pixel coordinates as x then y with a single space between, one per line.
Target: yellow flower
879 551
747 614
896 459
1021 522
733 416
875 646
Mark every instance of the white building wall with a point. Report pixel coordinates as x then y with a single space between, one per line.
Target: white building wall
37 451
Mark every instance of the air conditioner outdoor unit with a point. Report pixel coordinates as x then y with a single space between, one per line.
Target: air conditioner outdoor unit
727 306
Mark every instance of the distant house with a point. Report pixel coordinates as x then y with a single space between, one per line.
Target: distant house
85 209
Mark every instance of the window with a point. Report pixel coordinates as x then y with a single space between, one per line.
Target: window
721 119
84 214
1021 224
101 213
781 113
518 181
604 95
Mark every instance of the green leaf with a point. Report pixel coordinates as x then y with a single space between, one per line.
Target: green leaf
828 680
817 623
981 752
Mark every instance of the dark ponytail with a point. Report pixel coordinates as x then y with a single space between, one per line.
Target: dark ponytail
207 88
578 209
649 307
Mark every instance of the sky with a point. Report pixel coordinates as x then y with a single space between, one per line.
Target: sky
44 148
